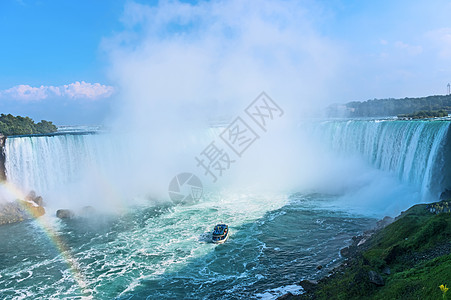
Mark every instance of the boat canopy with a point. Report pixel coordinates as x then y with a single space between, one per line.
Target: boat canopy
220 229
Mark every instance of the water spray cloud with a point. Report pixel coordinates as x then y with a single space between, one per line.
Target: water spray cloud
179 67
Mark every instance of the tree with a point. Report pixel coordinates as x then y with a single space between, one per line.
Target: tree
11 125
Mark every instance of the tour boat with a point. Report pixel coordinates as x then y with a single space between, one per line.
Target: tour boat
220 234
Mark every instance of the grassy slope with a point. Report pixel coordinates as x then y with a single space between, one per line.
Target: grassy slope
415 248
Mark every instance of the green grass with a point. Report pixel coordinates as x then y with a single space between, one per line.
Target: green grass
419 282
417 233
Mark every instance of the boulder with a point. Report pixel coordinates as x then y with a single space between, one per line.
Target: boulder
309 285
10 213
38 200
286 296
348 252
362 241
19 210
31 196
2 158
65 214
87 211
32 209
384 222
375 278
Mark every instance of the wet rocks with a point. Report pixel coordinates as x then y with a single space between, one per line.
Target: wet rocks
85 212
2 157
39 201
309 285
384 222
375 278
20 210
11 212
286 296
65 214
346 252
32 197
358 242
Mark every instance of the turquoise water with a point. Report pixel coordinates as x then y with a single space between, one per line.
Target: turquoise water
164 252
157 250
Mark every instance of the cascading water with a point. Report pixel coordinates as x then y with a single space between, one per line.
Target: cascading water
84 166
45 162
153 251
410 149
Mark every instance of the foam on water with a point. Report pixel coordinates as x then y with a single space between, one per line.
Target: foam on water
158 250
162 251
274 293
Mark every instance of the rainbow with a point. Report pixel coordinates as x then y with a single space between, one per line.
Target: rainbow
54 240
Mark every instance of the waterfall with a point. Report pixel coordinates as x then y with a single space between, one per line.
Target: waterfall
44 162
89 164
412 150
409 149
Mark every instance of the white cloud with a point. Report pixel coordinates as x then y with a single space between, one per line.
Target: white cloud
226 51
26 92
76 90
86 90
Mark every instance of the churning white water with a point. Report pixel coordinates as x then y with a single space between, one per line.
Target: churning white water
161 250
408 149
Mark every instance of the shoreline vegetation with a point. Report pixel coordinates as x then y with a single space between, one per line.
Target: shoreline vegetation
16 125
408 257
405 258
424 114
390 107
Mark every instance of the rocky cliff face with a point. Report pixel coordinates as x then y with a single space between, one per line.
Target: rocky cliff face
20 210
2 158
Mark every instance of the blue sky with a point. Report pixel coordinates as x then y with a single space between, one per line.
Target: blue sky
68 61
55 43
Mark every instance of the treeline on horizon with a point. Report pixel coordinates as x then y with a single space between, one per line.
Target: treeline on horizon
11 125
390 107
425 114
